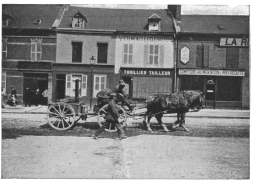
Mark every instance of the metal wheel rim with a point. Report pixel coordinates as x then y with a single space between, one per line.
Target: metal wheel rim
101 114
61 116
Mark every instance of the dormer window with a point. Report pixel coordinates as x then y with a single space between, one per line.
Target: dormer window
37 21
78 20
154 23
6 19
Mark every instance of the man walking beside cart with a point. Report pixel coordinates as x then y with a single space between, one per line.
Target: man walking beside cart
112 116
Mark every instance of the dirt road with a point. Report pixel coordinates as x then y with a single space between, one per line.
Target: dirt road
214 149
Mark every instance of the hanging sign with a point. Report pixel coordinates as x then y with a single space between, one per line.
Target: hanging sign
234 42
185 55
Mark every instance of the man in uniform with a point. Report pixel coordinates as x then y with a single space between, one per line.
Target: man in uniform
112 116
121 92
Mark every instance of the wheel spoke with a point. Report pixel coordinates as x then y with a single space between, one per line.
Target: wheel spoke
62 123
66 121
56 110
110 126
59 107
58 124
55 120
54 114
63 108
103 110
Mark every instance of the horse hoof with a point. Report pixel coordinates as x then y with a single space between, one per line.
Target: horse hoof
175 126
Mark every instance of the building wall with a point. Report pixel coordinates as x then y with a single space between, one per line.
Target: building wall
19 48
141 51
89 48
217 60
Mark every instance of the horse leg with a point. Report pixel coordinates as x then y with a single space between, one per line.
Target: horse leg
147 123
177 122
159 119
183 122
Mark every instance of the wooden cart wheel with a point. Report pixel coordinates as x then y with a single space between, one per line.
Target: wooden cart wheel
101 117
61 116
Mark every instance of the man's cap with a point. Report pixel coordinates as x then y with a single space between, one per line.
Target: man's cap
121 82
12 86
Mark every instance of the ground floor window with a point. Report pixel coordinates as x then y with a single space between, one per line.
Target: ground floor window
192 83
99 83
149 86
71 80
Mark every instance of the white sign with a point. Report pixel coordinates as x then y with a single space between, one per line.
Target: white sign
144 38
185 55
234 42
211 72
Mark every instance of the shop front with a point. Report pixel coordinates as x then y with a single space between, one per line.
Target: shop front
222 88
145 82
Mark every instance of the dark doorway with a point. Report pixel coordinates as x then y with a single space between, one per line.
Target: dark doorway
60 86
34 81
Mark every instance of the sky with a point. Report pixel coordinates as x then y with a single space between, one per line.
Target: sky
229 9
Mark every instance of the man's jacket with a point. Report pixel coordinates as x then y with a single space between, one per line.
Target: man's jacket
112 112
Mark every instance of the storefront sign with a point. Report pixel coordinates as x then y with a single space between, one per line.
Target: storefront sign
211 72
147 72
144 38
185 55
234 42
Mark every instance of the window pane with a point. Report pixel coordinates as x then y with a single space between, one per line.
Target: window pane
102 86
125 48
130 48
33 56
97 79
68 84
3 84
68 78
97 86
33 47
151 49
102 79
38 56
39 47
156 49
130 59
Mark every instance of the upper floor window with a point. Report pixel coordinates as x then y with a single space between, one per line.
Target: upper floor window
128 53
77 52
154 23
4 49
78 20
232 57
5 22
102 52
36 49
202 58
154 54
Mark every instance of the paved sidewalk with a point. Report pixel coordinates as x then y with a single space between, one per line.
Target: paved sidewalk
210 113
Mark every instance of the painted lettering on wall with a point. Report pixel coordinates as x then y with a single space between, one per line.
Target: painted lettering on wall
211 72
144 38
147 72
234 42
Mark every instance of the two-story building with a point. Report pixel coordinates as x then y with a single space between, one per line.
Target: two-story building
28 47
213 56
133 44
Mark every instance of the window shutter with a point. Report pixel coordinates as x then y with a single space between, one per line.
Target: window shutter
232 57
161 54
68 84
130 54
146 55
84 85
235 57
4 82
125 53
206 56
199 56
4 49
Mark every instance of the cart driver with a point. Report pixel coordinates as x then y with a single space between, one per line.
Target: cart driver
120 90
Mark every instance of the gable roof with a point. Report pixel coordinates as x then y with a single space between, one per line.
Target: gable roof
122 20
214 24
24 15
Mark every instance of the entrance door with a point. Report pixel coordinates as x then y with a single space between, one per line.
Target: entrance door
73 85
210 93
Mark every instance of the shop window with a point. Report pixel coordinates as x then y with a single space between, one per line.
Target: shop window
77 52
102 52
4 49
36 49
4 82
154 54
99 83
71 85
128 53
229 88
232 58
192 83
202 56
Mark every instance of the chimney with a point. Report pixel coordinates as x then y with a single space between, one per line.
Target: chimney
176 11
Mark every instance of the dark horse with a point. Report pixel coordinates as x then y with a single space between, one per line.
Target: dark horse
179 103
